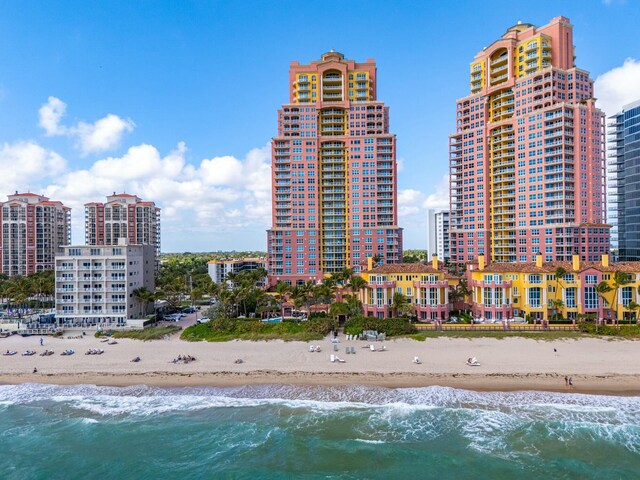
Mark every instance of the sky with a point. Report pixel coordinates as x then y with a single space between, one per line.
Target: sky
176 101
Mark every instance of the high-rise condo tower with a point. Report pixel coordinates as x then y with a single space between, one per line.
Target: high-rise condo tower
527 158
334 185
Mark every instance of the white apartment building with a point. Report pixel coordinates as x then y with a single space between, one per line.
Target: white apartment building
34 230
219 269
438 234
94 284
442 236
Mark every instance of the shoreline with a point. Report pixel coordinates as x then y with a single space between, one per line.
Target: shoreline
619 385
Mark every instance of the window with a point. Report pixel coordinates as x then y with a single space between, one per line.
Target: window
533 295
590 297
570 297
627 295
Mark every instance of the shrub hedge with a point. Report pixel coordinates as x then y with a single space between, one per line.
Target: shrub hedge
390 326
223 329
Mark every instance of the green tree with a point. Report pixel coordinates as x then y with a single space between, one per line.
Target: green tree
282 290
619 279
145 297
602 289
559 275
399 305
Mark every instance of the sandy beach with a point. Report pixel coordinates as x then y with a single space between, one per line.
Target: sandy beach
595 365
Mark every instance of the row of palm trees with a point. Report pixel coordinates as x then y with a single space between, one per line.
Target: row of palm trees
34 290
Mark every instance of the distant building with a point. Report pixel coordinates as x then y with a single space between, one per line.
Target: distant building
219 269
624 191
94 284
34 230
438 234
123 216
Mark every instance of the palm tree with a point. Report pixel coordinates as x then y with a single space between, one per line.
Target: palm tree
619 280
633 307
282 290
557 304
602 289
357 284
399 304
19 290
144 296
560 274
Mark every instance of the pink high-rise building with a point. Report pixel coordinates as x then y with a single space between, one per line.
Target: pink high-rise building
34 230
527 159
334 185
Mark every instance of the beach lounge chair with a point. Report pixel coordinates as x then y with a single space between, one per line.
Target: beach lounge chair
417 361
332 357
372 348
340 360
473 362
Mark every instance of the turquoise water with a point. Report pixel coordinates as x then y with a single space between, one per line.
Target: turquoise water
281 432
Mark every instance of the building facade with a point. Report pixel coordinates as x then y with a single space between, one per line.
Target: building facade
220 269
624 186
438 234
334 183
535 290
34 230
123 216
442 236
425 287
94 285
527 157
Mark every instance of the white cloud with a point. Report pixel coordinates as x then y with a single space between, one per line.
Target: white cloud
413 202
618 87
219 195
50 115
100 136
25 164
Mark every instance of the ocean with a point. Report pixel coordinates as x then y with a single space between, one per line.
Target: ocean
290 432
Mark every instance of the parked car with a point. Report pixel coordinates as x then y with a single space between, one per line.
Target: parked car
202 320
174 317
189 310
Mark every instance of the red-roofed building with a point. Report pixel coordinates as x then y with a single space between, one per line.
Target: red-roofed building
34 230
123 216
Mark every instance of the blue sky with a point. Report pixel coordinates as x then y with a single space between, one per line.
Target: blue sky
176 101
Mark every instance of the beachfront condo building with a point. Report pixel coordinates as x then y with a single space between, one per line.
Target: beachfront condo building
220 270
425 290
624 186
527 157
123 216
95 284
334 183
34 230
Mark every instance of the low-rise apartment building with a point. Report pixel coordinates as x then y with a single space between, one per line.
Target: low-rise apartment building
220 269
95 285
426 288
541 290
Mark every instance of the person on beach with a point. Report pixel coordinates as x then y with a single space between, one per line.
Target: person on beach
35 370
41 341
570 382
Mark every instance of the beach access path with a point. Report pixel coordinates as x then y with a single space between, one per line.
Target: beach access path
596 365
